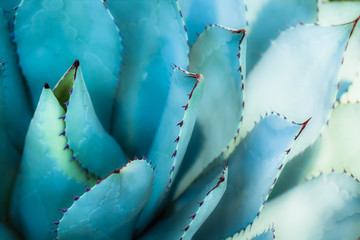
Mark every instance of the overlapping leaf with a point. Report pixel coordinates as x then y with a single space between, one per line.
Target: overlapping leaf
304 213
155 39
298 76
218 54
57 32
109 210
172 137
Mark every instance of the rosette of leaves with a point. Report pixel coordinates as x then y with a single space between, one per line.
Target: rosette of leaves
127 119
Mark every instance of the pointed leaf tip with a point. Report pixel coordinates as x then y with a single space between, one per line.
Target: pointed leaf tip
76 63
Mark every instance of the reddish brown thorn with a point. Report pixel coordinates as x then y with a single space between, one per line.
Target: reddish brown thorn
242 86
302 127
274 181
63 210
87 189
180 123
63 117
128 160
280 167
287 151
135 158
345 170
66 147
193 216
71 91
201 203
76 198
172 169
177 140
186 107
187 228
174 154
56 223
46 86
76 64
62 133
238 55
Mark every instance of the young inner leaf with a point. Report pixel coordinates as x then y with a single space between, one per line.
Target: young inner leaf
63 88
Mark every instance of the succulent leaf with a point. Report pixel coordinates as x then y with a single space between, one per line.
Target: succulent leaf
304 213
48 178
335 13
189 213
266 235
310 78
202 13
155 39
14 106
219 55
336 150
267 18
93 147
56 32
123 194
172 137
254 166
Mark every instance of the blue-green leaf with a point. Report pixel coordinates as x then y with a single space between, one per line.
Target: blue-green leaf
199 14
219 55
298 77
336 150
93 147
327 207
267 18
254 166
48 178
109 210
187 215
15 108
339 13
155 39
172 137
50 34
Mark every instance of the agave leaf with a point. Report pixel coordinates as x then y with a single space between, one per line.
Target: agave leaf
48 178
6 233
254 166
189 213
56 33
155 39
266 18
218 54
335 13
324 208
199 14
93 147
172 137
15 108
300 69
337 149
266 235
109 210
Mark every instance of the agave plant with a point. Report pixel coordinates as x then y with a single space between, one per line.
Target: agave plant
146 134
